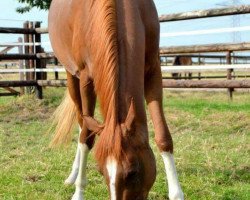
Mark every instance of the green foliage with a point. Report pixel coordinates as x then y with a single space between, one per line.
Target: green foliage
29 4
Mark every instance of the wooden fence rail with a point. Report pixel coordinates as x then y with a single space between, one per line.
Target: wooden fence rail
165 83
206 56
221 47
26 56
234 10
10 30
206 84
18 83
164 51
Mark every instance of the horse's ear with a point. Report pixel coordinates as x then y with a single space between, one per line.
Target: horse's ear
92 124
130 116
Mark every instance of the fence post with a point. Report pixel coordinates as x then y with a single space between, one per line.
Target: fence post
199 63
229 73
26 51
56 73
21 74
39 89
31 51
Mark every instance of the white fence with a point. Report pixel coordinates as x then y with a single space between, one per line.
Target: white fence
165 69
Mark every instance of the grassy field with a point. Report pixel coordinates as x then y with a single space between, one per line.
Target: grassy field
211 136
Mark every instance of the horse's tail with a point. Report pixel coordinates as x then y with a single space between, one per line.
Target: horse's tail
64 119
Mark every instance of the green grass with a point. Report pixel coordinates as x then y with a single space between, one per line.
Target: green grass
211 137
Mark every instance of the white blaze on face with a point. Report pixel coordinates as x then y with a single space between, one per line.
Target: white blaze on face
112 169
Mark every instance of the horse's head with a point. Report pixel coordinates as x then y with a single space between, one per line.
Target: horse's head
130 177
131 173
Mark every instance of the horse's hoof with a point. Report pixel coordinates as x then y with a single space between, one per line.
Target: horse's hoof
70 180
176 196
78 196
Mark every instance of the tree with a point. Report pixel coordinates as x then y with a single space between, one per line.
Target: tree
29 4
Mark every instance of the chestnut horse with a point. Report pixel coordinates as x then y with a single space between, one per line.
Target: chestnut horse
110 51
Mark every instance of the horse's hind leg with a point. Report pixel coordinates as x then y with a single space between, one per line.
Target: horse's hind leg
153 95
88 98
75 167
82 92
74 91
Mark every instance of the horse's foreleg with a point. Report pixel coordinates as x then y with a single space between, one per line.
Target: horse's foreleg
86 140
153 95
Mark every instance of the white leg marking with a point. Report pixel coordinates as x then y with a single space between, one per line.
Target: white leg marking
174 188
112 168
81 180
75 167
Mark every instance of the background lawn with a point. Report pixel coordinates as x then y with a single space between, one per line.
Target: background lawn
211 137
